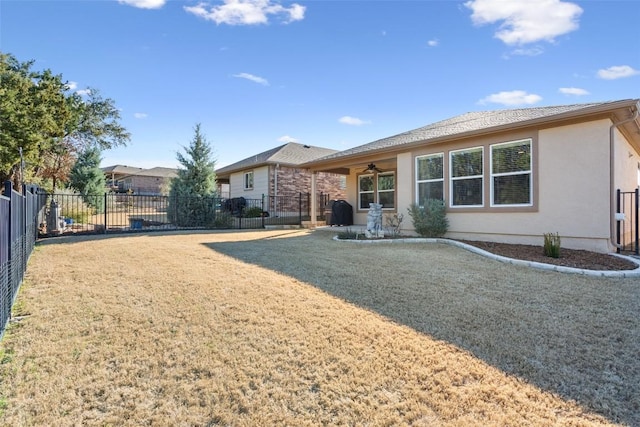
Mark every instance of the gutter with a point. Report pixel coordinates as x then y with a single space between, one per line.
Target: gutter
612 192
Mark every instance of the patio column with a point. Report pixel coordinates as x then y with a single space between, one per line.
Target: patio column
314 200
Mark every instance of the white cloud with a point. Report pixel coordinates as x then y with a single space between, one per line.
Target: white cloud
573 91
354 121
140 115
534 51
247 12
144 4
253 78
72 85
287 138
84 92
433 43
527 21
617 72
514 97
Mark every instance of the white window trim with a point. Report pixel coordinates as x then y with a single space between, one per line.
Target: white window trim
530 172
424 181
372 191
376 192
452 178
386 191
244 180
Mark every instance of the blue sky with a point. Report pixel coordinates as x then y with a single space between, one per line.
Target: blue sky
335 74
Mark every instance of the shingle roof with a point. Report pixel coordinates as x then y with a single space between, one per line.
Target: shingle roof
469 123
290 154
121 169
128 171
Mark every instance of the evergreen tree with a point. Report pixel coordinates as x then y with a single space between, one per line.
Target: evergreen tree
88 179
193 191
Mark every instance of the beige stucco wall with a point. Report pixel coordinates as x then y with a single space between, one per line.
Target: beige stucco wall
573 194
571 188
260 183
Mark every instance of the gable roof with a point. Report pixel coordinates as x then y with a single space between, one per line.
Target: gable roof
480 122
121 170
125 171
290 154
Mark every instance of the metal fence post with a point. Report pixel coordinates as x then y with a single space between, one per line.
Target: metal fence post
618 222
105 212
262 209
637 210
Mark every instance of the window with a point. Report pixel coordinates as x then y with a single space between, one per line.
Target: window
248 180
429 178
378 188
466 177
511 174
366 192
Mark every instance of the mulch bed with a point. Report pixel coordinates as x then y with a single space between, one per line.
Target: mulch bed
568 257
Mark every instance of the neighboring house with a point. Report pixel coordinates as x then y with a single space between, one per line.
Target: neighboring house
507 175
154 181
276 172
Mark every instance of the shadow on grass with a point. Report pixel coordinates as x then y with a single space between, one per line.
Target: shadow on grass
575 336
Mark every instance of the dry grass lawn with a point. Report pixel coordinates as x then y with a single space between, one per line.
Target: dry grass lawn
291 328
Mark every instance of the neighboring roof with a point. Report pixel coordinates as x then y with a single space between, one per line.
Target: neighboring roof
479 122
290 154
121 169
125 171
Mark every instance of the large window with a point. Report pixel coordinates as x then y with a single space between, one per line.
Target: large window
429 178
511 174
466 177
377 188
248 180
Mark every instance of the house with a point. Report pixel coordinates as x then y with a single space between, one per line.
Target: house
507 175
154 181
276 172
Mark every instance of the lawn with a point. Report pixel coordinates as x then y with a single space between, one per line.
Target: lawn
288 327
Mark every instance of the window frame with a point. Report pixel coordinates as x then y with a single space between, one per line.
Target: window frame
376 190
492 175
246 177
452 179
428 181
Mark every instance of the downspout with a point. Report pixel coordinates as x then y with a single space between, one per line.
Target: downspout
612 190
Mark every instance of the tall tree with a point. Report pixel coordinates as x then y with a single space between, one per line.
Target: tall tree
87 177
193 190
39 114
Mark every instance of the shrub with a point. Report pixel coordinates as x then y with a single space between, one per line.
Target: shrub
430 220
252 212
222 220
347 234
552 245
394 224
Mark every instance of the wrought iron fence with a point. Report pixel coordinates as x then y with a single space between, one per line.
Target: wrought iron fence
119 212
20 215
628 230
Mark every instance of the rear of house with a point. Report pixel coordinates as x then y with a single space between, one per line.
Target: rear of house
507 175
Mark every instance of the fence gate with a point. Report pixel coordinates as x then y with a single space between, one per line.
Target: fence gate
627 228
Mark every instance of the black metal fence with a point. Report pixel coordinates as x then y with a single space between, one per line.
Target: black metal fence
119 212
628 230
20 215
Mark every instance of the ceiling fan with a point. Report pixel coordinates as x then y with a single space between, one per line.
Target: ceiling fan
371 167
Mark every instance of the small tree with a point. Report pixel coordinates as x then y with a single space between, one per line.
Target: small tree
88 179
192 192
430 220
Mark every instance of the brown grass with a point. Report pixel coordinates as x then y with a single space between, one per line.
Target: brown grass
292 328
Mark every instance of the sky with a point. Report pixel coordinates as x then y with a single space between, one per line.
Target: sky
256 74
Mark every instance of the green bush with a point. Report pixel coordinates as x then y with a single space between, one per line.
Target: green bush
431 219
222 220
552 245
252 212
347 234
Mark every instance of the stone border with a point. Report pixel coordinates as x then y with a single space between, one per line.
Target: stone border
531 264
